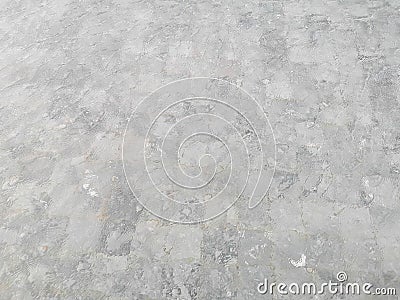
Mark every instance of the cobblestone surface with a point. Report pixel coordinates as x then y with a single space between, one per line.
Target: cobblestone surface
325 72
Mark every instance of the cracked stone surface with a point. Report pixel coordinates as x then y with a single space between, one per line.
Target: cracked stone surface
327 74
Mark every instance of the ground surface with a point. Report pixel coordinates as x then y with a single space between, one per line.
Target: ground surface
326 73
